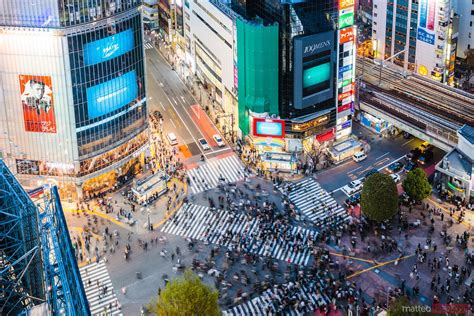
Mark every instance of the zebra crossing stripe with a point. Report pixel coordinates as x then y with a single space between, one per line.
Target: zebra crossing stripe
314 202
208 175
148 45
99 303
199 222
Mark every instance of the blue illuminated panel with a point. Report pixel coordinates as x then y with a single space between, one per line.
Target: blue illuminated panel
108 48
269 128
111 95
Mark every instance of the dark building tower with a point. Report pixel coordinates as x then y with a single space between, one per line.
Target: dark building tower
308 53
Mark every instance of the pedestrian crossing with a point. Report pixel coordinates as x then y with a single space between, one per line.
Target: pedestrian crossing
268 302
148 45
99 289
292 244
215 171
314 202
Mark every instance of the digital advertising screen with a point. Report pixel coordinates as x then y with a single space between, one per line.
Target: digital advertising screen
316 78
108 48
38 103
268 128
313 68
111 95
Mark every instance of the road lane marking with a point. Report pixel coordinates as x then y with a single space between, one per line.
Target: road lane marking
352 171
407 142
382 156
378 163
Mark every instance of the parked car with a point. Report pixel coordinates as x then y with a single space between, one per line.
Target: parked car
353 187
353 200
359 156
395 177
370 172
218 140
410 166
425 158
395 167
204 144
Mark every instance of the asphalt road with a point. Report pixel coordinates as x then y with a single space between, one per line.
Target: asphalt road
169 95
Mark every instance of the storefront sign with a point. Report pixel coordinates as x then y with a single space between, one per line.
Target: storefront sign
307 125
344 95
345 68
346 35
346 18
60 166
344 107
268 128
344 4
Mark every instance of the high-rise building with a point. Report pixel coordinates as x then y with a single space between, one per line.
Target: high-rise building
418 35
465 10
150 14
72 92
295 74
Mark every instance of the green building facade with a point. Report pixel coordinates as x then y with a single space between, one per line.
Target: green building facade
257 51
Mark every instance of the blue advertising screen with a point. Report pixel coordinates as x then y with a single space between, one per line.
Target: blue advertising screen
111 95
108 48
316 75
269 128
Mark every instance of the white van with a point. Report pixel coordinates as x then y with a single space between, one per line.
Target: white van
172 139
359 156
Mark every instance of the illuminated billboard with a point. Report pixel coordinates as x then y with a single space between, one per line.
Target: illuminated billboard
108 48
314 57
111 95
38 104
346 35
344 4
426 23
346 18
268 128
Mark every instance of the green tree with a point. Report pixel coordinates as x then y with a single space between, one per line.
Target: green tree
416 185
186 296
379 199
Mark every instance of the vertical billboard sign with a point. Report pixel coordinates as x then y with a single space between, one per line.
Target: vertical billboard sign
344 4
38 104
427 12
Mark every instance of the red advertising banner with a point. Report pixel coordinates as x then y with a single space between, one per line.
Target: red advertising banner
344 95
346 35
37 102
344 107
344 4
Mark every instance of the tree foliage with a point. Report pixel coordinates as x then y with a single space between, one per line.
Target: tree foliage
186 296
379 199
416 185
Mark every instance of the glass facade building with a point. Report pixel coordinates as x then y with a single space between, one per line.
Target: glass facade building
75 104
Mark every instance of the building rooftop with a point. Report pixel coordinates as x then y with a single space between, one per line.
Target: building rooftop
467 132
459 162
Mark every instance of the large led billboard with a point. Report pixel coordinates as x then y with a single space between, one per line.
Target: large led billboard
426 21
111 95
314 57
268 128
108 48
316 78
38 103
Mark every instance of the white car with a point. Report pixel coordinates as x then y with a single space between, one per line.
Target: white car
395 177
359 156
218 140
353 187
204 144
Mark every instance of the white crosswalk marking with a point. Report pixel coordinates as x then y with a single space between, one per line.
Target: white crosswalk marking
100 301
229 229
314 202
214 171
267 303
148 45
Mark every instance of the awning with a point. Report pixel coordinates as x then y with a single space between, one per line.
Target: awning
324 137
